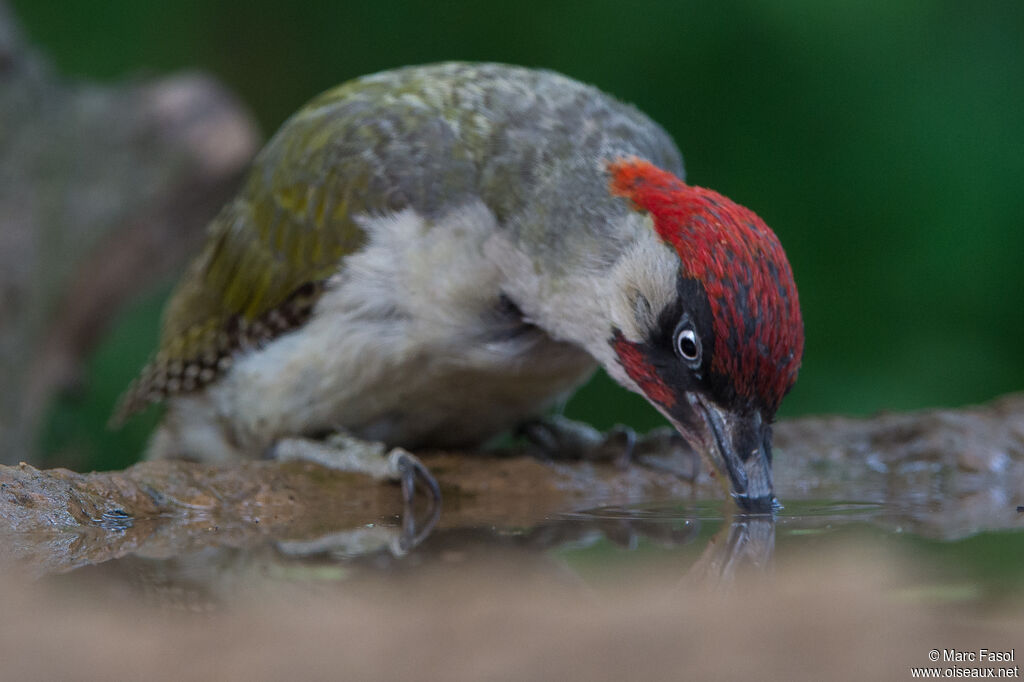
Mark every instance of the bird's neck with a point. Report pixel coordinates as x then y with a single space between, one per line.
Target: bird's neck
562 265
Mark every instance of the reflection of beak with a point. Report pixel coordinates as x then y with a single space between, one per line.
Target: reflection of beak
739 446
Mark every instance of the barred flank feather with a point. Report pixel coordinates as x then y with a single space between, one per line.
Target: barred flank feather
212 351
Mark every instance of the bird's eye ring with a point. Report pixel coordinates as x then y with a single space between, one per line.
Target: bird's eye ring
687 343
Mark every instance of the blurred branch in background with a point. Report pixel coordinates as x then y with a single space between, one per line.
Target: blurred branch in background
104 190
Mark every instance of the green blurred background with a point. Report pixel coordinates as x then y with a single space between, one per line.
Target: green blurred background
881 139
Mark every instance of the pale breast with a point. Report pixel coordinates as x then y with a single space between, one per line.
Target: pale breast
413 343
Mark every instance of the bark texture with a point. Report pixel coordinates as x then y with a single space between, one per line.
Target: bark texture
940 473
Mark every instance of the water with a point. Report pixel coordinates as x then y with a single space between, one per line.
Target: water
828 589
607 546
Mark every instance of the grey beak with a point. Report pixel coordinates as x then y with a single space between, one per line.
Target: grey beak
739 445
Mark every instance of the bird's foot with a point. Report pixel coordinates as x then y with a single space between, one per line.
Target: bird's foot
663 449
558 438
343 452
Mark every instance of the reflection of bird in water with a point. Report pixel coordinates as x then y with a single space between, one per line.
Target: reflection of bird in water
211 578
745 543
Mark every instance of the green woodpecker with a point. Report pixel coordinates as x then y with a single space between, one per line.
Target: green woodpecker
432 255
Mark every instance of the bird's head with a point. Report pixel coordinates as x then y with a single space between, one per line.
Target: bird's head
706 323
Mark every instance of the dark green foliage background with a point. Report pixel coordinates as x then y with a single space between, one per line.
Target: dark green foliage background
881 139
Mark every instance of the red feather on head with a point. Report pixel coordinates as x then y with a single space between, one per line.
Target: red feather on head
759 336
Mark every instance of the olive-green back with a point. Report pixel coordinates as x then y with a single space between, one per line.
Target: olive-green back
426 137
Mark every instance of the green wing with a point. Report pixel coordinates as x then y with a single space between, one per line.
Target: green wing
423 137
268 252
291 225
371 146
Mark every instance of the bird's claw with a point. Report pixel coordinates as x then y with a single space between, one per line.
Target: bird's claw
563 439
662 449
409 471
618 446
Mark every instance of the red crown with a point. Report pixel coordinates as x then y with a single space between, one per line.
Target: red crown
759 334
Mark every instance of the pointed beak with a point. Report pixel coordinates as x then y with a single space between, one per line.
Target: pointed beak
739 446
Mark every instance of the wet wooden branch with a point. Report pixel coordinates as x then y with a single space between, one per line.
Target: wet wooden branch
949 473
169 507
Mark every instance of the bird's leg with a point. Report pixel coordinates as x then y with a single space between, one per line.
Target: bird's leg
556 437
344 452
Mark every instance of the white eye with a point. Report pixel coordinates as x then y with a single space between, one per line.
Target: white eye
688 343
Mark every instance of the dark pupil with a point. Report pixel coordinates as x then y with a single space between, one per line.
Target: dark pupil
688 347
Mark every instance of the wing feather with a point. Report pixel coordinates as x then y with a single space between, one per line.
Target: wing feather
430 138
